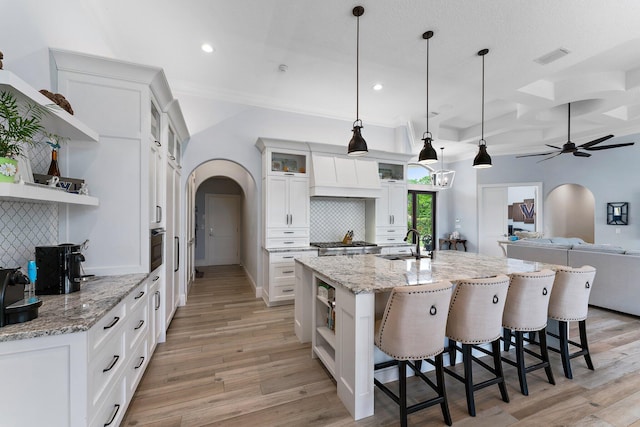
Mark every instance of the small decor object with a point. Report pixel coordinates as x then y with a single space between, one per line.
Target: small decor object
54 170
59 100
618 213
19 125
1 58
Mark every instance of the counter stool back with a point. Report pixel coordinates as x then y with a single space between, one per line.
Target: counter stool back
475 317
569 302
526 311
412 329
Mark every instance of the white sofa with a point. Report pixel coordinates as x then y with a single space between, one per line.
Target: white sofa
617 282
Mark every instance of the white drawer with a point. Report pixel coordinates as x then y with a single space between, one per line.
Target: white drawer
288 257
104 367
137 324
283 292
105 328
396 250
287 232
137 362
283 271
137 297
293 242
113 406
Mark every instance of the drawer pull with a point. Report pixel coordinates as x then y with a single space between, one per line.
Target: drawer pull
140 325
288 232
286 291
287 272
140 295
288 243
140 363
112 364
113 323
287 257
156 278
116 408
157 300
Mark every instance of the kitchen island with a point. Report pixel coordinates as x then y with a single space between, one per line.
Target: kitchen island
79 362
340 321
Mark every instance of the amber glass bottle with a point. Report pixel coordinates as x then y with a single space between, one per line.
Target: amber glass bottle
53 167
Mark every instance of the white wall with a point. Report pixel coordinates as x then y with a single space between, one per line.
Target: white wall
569 212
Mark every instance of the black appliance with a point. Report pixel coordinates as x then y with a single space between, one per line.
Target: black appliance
156 248
13 307
59 269
356 247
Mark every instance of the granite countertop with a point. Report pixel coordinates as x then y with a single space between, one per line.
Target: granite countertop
77 311
371 273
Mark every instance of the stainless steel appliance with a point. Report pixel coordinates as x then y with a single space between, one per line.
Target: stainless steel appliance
14 308
156 248
356 247
59 269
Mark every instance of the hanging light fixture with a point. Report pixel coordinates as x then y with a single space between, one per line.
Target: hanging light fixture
428 153
443 178
357 145
482 159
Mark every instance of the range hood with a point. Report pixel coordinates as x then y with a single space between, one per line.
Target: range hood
333 175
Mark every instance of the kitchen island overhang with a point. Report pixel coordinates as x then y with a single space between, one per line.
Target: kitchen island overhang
346 345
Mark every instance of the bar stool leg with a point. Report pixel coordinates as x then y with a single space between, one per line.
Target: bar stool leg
564 348
544 352
584 344
402 376
506 337
444 405
497 362
468 378
522 369
452 352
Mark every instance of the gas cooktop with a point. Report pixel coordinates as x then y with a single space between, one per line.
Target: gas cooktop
355 243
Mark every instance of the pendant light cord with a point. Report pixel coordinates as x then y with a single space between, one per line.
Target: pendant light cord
358 69
569 121
482 123
427 85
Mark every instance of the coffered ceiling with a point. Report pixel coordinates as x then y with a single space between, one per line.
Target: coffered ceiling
315 40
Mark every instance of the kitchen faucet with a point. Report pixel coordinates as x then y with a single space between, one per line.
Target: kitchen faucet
413 230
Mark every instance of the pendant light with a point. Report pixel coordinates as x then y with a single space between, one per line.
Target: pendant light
482 159
428 153
443 178
357 145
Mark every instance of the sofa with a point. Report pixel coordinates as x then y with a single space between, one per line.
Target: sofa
617 283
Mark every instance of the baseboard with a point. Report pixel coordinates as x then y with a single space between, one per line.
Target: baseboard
256 288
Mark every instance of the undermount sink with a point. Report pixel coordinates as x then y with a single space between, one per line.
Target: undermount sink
399 257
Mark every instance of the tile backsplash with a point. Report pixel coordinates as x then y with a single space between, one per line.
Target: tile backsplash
332 217
23 226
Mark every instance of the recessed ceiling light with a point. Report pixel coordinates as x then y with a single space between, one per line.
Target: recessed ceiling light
377 86
206 47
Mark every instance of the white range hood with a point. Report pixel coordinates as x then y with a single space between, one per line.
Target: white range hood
334 175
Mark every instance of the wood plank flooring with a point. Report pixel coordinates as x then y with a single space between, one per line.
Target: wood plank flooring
231 361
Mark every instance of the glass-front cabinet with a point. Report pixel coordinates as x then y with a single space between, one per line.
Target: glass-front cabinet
391 171
288 163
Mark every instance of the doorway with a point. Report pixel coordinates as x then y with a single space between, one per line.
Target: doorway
570 212
421 206
222 227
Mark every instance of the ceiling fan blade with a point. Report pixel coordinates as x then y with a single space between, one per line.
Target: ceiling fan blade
595 141
551 157
553 146
539 154
581 154
606 147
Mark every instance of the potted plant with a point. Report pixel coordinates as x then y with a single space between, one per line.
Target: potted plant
19 124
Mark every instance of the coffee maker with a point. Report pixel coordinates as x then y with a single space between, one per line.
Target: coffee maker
59 269
14 305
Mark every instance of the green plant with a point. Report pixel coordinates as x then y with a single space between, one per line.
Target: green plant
19 124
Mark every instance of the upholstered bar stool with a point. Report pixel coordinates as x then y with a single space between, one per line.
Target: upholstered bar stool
475 317
412 328
526 311
568 303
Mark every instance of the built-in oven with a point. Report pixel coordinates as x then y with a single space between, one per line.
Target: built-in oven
156 248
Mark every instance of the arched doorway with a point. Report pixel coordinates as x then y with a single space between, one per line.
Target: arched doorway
570 212
227 177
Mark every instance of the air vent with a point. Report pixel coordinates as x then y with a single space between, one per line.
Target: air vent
552 56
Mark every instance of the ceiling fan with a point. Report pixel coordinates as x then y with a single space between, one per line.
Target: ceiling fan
570 147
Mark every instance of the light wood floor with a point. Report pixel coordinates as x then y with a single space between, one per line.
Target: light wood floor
231 361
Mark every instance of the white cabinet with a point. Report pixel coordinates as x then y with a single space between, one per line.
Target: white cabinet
279 279
287 202
156 308
172 246
389 213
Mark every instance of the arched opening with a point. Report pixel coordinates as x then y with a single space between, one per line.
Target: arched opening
570 212
226 193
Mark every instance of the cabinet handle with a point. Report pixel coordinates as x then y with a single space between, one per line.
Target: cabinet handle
140 363
158 213
287 257
140 295
112 364
289 174
291 222
288 243
172 157
158 143
289 232
287 272
177 251
116 408
156 278
286 291
113 323
391 239
140 325
157 300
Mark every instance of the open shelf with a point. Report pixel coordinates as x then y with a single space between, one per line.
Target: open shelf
56 120
327 357
328 335
42 194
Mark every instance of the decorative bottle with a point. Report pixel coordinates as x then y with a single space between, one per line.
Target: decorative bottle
53 167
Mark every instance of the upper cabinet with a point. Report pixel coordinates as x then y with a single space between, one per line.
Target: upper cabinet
56 121
391 171
286 163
